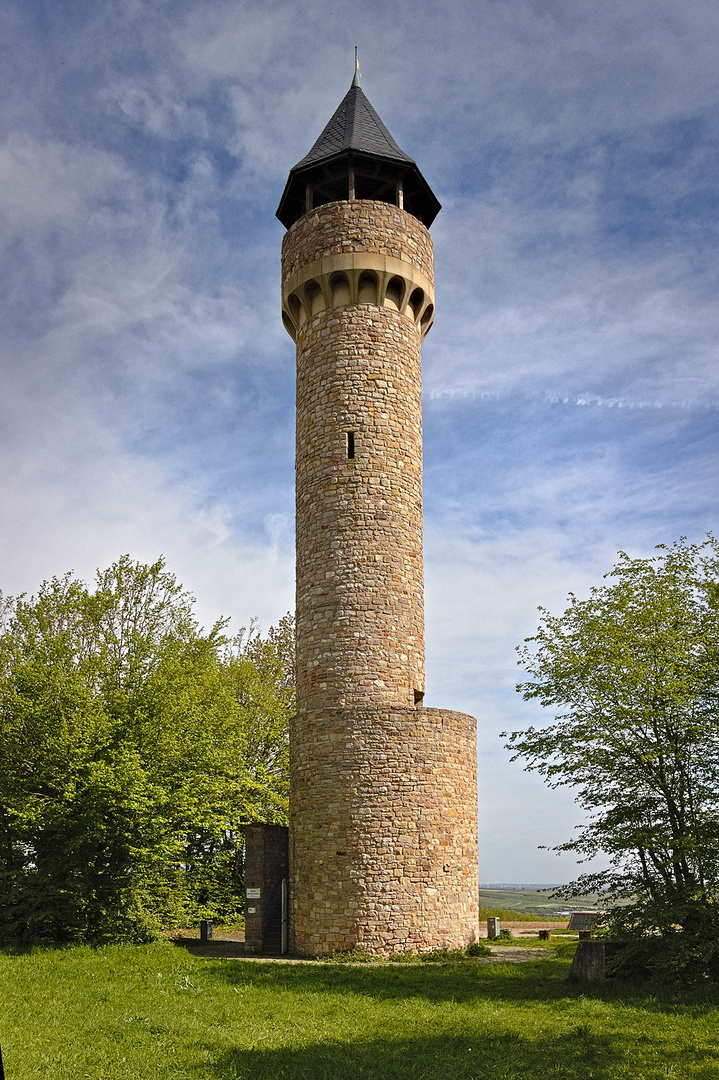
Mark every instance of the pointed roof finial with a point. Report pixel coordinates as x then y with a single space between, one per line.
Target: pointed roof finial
356 80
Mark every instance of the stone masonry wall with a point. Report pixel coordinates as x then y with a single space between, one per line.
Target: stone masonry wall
383 831
360 626
383 803
360 600
361 226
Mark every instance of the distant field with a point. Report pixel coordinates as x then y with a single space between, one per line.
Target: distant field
532 902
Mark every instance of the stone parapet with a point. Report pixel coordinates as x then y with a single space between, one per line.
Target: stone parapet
383 827
360 225
359 252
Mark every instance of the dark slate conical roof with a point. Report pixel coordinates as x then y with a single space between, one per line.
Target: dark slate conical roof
356 142
354 126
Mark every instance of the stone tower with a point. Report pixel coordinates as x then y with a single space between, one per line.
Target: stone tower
383 798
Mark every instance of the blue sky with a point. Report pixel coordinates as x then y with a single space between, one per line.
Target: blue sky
571 377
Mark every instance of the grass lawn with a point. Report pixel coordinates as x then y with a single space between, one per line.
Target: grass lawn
145 1012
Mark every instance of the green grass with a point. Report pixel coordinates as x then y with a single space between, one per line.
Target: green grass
154 1011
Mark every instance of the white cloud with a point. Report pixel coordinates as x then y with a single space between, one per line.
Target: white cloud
572 367
572 319
79 501
117 331
156 106
482 599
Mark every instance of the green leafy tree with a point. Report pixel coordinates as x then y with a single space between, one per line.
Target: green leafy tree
123 739
634 674
258 674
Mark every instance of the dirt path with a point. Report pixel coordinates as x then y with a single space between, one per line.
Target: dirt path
233 949
515 954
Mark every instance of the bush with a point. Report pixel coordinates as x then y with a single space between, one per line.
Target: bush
134 746
632 674
681 955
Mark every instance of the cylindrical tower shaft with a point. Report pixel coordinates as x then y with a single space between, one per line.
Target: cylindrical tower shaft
383 797
358 314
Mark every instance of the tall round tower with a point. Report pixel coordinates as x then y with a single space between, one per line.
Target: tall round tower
383 800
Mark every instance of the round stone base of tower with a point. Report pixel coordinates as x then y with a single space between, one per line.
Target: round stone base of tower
383 831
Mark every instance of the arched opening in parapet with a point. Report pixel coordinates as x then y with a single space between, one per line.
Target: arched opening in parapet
293 303
340 286
289 326
367 288
313 296
415 301
427 318
395 292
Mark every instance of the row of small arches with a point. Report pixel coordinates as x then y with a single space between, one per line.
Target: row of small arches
367 287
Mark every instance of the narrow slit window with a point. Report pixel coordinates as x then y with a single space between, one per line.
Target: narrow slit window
350 444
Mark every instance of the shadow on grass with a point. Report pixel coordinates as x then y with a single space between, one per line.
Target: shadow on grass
18 950
542 980
578 1054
